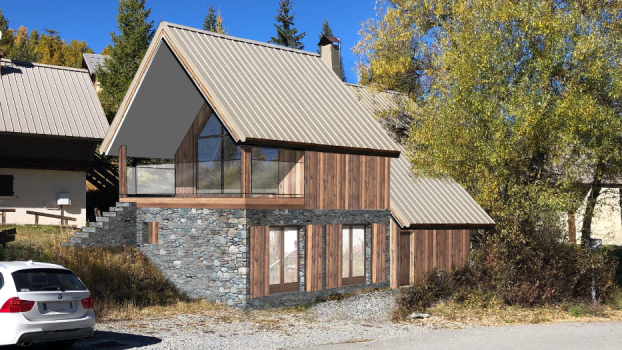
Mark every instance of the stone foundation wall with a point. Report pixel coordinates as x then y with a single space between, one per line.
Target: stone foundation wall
204 252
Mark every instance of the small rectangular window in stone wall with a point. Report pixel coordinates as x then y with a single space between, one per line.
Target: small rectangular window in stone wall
153 233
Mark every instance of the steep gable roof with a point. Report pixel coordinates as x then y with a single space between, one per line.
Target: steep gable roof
422 201
263 93
93 61
49 100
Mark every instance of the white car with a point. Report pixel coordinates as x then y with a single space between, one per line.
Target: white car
42 302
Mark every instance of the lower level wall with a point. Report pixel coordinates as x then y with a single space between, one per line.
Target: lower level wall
37 190
205 252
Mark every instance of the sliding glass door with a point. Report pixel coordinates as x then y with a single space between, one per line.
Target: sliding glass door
283 259
353 254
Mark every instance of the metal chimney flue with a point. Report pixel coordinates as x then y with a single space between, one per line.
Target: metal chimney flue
330 51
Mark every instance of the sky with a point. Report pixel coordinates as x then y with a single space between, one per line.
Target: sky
93 21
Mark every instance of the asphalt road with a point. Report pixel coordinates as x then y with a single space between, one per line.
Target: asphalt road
567 336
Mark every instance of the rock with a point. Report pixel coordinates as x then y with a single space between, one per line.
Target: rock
233 250
162 252
177 264
418 316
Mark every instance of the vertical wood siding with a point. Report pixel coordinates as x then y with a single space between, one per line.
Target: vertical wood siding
154 233
378 250
185 157
415 253
291 172
259 273
333 256
123 171
313 258
346 181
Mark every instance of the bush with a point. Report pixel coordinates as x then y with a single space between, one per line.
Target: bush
518 269
116 277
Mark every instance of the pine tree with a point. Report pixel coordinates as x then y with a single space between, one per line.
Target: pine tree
286 34
214 21
129 45
328 31
6 43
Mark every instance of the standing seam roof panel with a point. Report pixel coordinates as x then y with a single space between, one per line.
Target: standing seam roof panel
49 100
313 108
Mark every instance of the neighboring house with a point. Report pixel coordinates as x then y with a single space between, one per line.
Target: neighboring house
50 124
606 223
259 179
92 62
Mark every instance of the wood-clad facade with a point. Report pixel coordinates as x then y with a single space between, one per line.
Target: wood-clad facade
417 252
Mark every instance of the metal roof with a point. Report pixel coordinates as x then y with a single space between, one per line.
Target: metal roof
265 92
49 100
93 61
422 201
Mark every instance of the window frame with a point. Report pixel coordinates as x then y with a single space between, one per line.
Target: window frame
223 134
354 280
283 287
11 180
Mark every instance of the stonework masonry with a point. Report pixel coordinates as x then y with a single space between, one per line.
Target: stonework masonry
205 252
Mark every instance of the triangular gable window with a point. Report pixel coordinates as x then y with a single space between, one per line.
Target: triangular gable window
219 167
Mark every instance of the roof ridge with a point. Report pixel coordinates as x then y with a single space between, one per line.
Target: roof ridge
235 38
24 63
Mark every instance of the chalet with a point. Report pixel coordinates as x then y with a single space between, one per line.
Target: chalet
257 178
50 124
92 62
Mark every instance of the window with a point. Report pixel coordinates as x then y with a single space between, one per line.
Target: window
353 254
219 169
6 185
283 259
277 171
46 280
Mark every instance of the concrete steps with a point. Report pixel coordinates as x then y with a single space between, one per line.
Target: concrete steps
115 218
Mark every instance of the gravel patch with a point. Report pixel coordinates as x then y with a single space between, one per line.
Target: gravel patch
357 319
374 306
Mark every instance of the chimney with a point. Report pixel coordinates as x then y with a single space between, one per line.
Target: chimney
331 53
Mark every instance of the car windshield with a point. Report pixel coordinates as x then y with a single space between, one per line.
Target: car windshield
34 280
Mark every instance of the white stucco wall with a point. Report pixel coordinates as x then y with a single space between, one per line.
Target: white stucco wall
607 221
37 190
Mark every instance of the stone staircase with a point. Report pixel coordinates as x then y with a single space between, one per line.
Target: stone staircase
115 228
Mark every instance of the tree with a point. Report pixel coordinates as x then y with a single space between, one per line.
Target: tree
50 48
74 53
213 21
328 31
286 34
107 50
517 101
23 50
6 43
129 45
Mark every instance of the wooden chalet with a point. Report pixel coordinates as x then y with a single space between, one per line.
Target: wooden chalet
255 169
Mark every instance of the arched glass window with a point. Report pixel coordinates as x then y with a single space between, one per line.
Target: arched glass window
218 160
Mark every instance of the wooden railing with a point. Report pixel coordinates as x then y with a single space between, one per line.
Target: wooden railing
63 218
3 211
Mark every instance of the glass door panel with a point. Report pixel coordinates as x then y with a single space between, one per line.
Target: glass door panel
283 251
358 250
345 252
290 261
275 256
353 254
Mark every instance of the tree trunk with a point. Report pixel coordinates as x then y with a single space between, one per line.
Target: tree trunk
590 205
572 228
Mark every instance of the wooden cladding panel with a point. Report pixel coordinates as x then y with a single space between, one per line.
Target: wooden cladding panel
122 171
346 181
313 258
259 273
333 256
153 229
291 172
185 157
425 251
378 251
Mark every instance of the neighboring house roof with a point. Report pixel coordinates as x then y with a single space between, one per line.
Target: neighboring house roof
93 61
49 100
422 201
261 92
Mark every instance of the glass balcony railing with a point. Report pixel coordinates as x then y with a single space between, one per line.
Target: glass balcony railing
151 180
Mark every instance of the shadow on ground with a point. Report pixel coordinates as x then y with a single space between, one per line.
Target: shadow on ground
103 340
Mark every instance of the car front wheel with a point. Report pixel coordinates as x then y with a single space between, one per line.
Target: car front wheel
61 344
